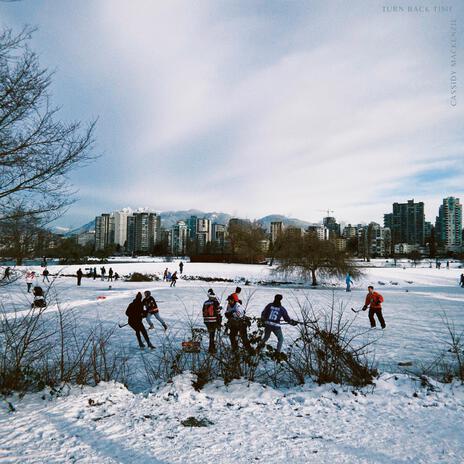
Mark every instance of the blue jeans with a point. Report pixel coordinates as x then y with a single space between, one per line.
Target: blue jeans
157 315
277 332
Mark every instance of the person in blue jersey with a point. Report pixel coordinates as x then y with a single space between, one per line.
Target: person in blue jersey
271 316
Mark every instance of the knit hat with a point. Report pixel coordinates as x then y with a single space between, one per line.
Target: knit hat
210 291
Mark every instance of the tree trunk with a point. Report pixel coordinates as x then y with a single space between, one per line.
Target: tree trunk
313 276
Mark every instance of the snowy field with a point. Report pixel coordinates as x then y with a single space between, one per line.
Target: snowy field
397 421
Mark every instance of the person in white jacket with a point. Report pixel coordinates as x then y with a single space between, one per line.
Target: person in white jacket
30 276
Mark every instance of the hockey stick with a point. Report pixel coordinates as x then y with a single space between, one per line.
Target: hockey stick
123 325
356 311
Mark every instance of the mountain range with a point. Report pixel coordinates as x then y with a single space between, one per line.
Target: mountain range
169 218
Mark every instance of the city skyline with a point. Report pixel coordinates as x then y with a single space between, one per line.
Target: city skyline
256 109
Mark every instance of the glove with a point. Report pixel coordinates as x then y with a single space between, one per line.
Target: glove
364 307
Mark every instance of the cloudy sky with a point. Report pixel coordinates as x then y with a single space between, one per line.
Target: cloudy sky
257 107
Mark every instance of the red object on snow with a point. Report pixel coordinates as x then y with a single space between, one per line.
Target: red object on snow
101 297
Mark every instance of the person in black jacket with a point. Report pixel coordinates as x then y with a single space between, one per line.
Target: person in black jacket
212 318
135 314
79 275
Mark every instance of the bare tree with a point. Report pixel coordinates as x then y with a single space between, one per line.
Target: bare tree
309 256
37 150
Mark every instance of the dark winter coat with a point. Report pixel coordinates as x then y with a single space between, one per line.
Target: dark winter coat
211 311
150 304
135 311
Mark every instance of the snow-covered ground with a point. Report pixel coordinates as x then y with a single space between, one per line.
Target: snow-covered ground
395 421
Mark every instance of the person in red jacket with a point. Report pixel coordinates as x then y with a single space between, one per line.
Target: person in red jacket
374 300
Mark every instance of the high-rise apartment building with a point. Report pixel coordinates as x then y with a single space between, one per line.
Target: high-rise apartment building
179 234
204 233
277 229
448 225
332 226
104 231
120 226
406 223
143 231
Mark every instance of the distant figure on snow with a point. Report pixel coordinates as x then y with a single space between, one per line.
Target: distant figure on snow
79 275
374 300
447 264
165 275
30 276
6 273
110 275
173 279
152 310
349 282
45 275
103 272
461 282
135 314
116 276
181 267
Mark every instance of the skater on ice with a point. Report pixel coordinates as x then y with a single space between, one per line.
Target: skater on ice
30 276
272 315
173 279
374 300
45 275
135 315
152 310
349 282
181 267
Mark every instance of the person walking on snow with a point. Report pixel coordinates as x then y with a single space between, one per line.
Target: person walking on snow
212 318
135 314
374 300
348 281
45 275
79 275
462 280
30 276
271 315
110 275
94 273
103 272
165 275
173 279
238 324
6 273
181 267
152 310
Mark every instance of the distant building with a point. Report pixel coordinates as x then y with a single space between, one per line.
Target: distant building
104 231
319 230
120 226
332 226
179 234
406 223
350 231
219 234
294 232
204 233
374 240
192 227
277 229
448 225
143 232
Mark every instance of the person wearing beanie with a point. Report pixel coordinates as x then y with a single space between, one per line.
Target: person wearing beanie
135 314
212 318
152 310
238 324
272 315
